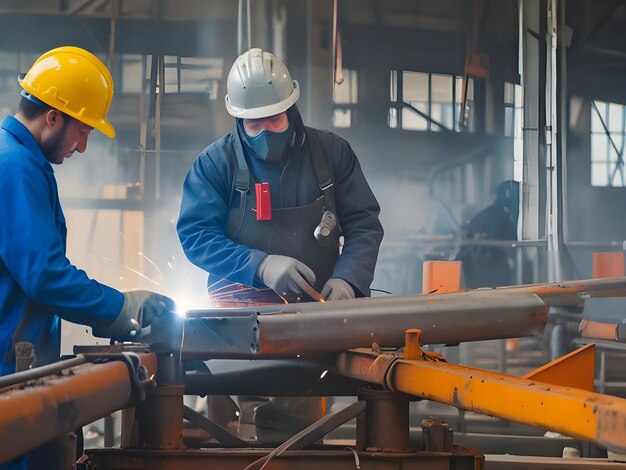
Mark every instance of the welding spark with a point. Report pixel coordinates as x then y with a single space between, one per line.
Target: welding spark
151 262
132 270
223 292
323 374
181 308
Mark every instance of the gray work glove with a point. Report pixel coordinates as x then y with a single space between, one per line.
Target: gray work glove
337 289
140 308
287 276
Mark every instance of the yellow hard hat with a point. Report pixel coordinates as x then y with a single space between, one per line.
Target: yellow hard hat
75 82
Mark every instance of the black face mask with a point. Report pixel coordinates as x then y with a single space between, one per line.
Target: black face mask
267 145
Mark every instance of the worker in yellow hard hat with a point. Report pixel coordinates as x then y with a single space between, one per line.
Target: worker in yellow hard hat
66 94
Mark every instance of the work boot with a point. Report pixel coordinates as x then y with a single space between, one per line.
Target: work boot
282 417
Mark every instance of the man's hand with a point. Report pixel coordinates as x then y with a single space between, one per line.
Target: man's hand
287 276
140 308
337 289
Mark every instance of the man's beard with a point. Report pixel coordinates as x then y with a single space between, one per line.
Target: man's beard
53 147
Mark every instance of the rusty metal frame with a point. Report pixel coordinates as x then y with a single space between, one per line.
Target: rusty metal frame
335 458
38 411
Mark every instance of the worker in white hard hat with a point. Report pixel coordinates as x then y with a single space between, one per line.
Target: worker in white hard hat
266 204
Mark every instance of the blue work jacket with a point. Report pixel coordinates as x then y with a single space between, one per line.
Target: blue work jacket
209 195
38 284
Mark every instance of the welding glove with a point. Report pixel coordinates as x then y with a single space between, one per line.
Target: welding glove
287 276
140 308
337 289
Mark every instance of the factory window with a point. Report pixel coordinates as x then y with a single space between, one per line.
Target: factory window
345 97
10 66
513 123
608 136
182 74
430 102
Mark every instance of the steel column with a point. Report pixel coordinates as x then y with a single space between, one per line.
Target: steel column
384 427
160 418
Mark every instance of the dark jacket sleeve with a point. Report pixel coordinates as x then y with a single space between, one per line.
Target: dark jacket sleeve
202 223
357 211
33 252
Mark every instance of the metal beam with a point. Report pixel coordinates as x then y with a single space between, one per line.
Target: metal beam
529 66
572 293
314 329
47 408
277 377
570 411
323 328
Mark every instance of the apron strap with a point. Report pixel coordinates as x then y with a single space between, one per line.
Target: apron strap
242 175
242 179
324 180
321 170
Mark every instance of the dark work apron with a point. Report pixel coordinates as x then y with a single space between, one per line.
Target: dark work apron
290 232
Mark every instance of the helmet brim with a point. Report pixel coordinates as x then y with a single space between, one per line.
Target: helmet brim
264 111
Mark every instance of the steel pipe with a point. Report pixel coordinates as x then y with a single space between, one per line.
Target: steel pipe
53 406
277 377
313 329
39 372
571 293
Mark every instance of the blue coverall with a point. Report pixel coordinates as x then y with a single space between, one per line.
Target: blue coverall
38 284
35 275
209 196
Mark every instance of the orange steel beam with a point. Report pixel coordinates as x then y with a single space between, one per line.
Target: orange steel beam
567 410
41 410
570 411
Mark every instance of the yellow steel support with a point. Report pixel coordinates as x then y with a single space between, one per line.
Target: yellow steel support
570 411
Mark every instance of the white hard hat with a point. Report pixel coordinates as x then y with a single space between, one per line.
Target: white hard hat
259 85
